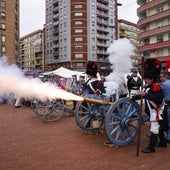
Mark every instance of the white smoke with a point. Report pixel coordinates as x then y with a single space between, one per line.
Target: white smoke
120 53
13 81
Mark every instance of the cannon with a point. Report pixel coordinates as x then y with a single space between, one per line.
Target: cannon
120 118
50 111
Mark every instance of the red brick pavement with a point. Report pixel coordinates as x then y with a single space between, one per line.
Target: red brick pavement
27 143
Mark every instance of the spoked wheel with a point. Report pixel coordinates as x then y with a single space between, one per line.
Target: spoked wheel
122 122
86 116
48 111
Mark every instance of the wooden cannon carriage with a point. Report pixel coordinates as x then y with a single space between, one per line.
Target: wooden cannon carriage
120 118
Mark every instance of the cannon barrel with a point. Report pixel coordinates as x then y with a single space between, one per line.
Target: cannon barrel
96 101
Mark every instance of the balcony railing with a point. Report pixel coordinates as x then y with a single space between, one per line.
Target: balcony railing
150 5
105 7
154 46
153 18
154 31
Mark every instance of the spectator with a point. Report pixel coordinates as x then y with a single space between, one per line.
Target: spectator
62 83
134 83
165 84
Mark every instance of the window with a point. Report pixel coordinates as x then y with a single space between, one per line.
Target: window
3 15
3 26
160 38
160 9
78 30
78 6
159 24
3 38
93 15
78 47
146 41
78 22
169 51
79 39
78 55
79 64
3 4
93 31
160 52
3 49
77 14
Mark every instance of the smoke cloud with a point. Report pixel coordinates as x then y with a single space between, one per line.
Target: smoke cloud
120 52
14 82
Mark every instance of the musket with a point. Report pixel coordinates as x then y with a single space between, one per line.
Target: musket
140 114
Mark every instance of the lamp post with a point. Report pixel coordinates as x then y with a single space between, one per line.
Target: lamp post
116 17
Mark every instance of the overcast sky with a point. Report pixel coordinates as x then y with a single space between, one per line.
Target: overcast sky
32 14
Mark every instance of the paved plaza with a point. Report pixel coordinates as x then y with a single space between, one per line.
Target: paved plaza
28 143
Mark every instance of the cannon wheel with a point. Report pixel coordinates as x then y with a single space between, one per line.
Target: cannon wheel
122 122
85 117
48 111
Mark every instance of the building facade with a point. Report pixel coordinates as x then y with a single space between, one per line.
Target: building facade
78 31
31 57
154 23
9 29
130 31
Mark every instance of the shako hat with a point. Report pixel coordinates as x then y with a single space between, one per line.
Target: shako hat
91 68
152 68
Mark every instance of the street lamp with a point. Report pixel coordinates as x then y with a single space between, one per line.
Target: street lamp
116 18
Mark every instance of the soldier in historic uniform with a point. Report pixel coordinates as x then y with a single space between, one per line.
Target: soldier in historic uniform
134 83
93 85
153 95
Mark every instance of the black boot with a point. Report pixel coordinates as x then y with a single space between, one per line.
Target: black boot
151 147
162 140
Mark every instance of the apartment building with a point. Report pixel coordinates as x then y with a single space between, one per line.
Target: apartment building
9 29
129 30
78 31
31 57
154 23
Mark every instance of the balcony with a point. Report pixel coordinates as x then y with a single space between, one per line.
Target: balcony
153 18
150 5
103 22
154 32
55 2
102 52
164 58
154 46
102 14
103 44
103 36
102 6
139 2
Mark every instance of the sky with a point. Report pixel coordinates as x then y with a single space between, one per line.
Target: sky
32 14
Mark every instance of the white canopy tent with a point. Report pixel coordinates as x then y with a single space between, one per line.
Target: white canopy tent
64 72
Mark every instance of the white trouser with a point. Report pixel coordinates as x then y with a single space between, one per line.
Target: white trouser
18 101
134 92
155 127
